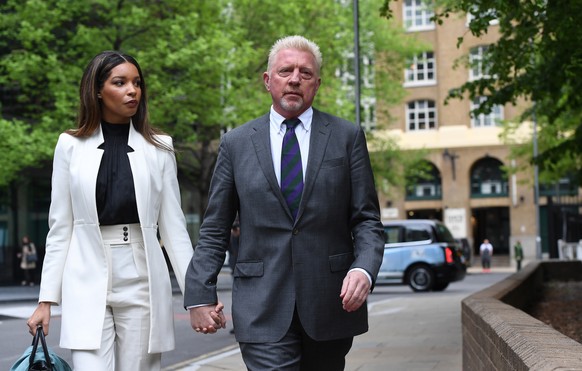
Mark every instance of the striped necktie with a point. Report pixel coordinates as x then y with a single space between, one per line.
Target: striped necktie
291 167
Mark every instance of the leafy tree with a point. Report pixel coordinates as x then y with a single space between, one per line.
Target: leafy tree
203 63
536 58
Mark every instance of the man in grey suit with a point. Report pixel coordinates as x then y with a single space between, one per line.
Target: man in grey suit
305 268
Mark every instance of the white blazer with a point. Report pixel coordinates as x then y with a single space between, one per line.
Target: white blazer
76 271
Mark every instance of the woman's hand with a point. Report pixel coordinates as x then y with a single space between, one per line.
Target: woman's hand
208 319
41 316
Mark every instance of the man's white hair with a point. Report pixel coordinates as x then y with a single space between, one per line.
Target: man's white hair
295 42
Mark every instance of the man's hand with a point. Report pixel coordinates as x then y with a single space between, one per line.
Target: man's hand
207 319
355 290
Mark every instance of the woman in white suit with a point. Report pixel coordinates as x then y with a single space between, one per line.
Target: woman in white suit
114 186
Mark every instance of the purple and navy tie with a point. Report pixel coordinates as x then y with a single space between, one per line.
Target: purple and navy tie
291 167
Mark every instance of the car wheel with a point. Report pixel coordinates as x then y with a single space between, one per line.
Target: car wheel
440 286
420 278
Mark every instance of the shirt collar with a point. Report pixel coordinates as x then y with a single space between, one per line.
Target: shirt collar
277 120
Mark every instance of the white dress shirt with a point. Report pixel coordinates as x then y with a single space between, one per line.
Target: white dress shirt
302 131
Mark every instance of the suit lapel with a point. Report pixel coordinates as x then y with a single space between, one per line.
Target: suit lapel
139 170
89 163
320 133
261 138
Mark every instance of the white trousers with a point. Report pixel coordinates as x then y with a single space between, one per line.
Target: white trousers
126 326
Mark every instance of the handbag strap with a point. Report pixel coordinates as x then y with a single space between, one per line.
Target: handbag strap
39 336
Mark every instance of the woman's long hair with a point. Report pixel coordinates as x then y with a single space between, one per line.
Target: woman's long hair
93 80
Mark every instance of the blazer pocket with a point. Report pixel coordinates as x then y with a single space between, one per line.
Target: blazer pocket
334 162
341 262
248 269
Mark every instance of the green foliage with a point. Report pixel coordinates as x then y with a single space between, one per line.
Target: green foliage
203 63
394 168
20 148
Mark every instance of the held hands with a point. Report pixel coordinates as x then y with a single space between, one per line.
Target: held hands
355 290
41 316
208 319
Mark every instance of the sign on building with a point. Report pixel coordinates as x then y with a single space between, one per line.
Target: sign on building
456 221
389 213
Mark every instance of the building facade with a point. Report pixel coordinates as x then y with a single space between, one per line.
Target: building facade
467 187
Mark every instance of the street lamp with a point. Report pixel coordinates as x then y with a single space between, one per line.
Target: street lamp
536 185
357 60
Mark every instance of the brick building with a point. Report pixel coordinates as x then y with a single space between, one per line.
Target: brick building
468 188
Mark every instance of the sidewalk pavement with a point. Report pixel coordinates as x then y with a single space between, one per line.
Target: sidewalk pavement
405 334
14 294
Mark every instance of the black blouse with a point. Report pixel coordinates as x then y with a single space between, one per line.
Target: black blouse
115 191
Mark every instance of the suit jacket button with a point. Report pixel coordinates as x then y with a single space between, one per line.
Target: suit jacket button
296 231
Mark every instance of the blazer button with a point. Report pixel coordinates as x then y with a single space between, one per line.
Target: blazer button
125 228
295 231
125 238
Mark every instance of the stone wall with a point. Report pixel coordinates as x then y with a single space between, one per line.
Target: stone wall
497 335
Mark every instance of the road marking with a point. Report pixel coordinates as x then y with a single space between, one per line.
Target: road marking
380 302
373 306
195 363
387 311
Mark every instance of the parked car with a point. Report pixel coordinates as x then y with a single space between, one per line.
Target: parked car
422 254
466 249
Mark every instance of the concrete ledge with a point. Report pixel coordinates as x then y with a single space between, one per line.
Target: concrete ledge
498 335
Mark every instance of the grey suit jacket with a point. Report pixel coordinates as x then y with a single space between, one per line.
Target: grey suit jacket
282 263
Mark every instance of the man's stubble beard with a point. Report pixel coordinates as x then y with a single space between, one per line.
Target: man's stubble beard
294 106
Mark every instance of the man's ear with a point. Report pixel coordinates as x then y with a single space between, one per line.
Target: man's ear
266 81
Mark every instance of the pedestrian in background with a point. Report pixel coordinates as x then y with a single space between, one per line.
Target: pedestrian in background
486 251
518 252
28 258
311 240
114 186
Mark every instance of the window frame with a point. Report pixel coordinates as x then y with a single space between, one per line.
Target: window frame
481 185
419 11
417 111
478 68
495 117
472 15
420 63
432 181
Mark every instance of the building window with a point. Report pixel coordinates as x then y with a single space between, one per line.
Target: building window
492 118
417 15
491 14
421 70
421 115
567 186
478 64
488 179
367 100
423 182
368 113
